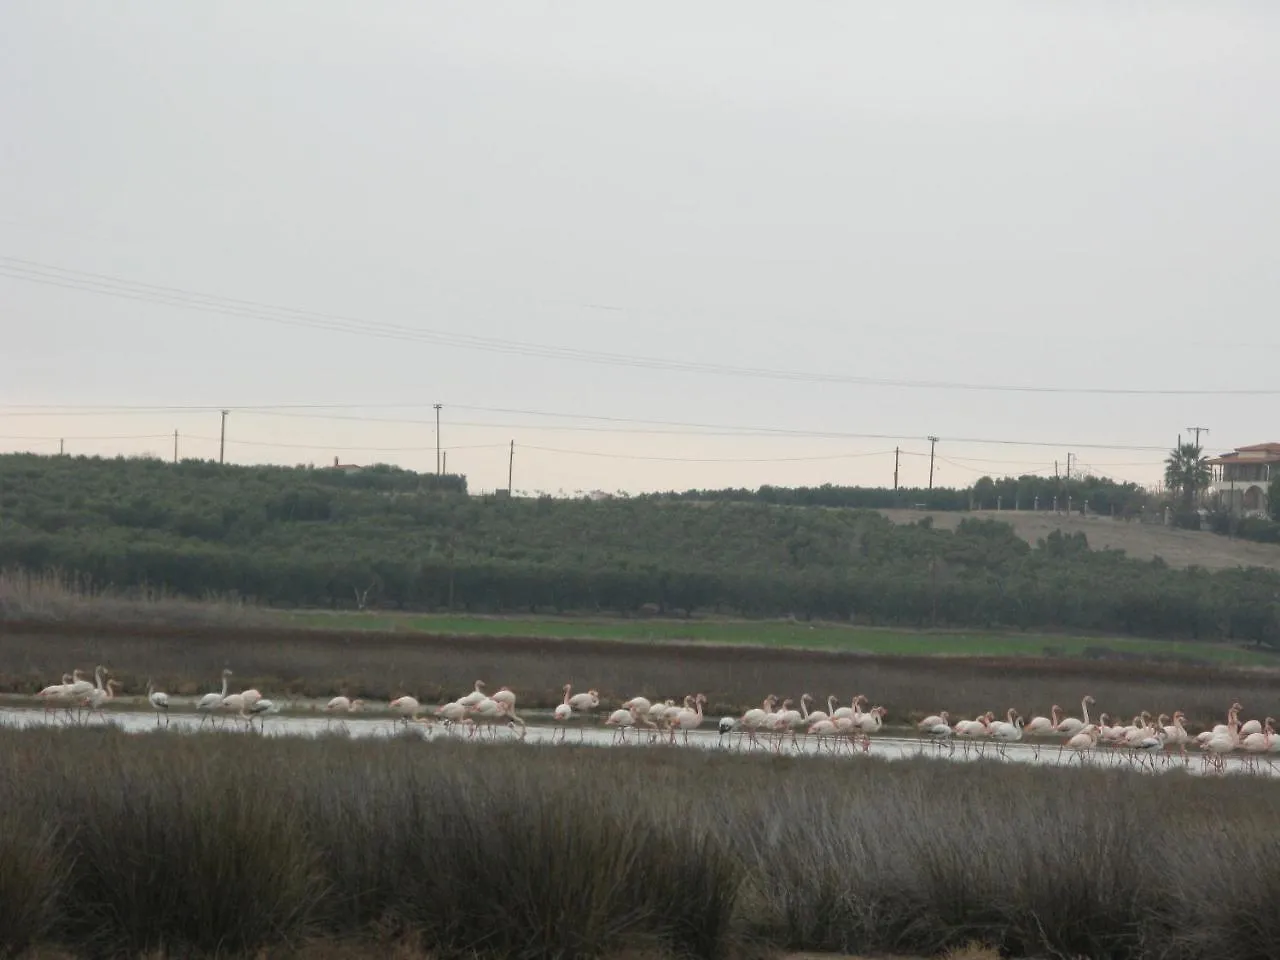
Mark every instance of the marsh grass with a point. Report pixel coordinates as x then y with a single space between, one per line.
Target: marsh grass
186 661
171 845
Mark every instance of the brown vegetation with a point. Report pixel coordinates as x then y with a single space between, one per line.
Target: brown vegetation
186 660
118 845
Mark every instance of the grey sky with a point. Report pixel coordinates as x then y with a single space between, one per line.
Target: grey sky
1061 194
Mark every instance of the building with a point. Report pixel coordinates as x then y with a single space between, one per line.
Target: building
346 467
1241 478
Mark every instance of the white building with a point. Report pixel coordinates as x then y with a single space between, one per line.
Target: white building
1241 478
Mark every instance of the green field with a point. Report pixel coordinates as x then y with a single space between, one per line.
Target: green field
817 636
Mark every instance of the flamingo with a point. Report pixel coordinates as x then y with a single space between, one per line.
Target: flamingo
99 697
754 719
813 716
1151 745
258 710
1233 720
159 702
487 711
506 695
1072 726
1009 732
234 703
475 696
408 708
582 702
873 720
940 719
55 696
658 712
344 705
81 687
1042 726
641 704
727 724
1217 748
1177 732
209 702
513 719
1085 740
973 728
1141 730
850 711
1261 741
687 719
622 719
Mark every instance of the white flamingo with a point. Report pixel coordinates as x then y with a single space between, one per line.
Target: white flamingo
209 702
1072 725
99 697
57 696
687 719
258 710
407 707
934 720
1083 741
623 720
159 702
583 702
506 695
1043 726
475 696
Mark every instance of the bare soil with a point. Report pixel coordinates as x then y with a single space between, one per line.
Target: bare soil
1179 548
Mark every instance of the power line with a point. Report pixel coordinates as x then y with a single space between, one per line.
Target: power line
282 410
634 456
31 271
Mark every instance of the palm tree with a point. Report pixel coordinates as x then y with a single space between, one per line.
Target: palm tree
1186 472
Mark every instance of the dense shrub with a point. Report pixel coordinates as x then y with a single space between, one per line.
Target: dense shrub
321 538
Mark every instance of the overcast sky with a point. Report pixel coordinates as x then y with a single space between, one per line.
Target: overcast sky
1071 195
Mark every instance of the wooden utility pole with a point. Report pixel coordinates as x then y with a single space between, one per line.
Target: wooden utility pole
61 447
437 409
933 441
175 446
896 451
1197 431
222 440
444 463
511 466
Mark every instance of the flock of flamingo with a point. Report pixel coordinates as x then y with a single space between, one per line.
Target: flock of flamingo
773 724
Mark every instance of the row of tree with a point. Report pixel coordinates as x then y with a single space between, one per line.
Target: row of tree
1028 492
304 537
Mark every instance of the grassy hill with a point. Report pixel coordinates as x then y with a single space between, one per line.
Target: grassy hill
321 538
1178 548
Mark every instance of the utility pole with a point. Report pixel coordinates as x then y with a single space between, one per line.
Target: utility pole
1197 431
175 446
1068 466
437 408
444 463
61 447
222 440
511 466
932 443
896 451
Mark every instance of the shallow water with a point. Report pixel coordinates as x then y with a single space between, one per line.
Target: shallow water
541 729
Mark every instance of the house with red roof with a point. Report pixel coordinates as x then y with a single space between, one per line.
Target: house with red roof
1241 477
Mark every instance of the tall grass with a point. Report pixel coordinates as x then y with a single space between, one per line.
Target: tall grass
118 845
52 595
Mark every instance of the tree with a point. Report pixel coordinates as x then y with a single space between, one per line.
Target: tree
1186 473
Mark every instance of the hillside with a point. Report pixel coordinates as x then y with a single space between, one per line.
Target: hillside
319 538
1178 548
